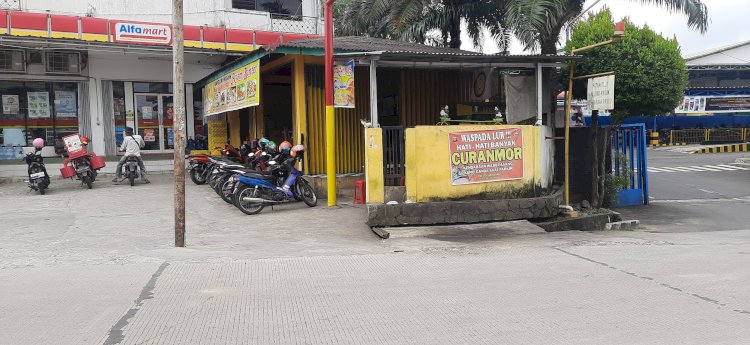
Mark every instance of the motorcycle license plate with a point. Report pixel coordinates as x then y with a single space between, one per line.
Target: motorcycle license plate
37 175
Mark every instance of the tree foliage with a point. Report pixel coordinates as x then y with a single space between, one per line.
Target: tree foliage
650 73
424 21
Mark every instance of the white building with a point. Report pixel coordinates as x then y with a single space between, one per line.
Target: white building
95 67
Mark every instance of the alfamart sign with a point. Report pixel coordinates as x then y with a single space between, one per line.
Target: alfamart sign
143 33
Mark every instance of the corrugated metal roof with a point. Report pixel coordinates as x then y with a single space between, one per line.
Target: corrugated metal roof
712 51
370 44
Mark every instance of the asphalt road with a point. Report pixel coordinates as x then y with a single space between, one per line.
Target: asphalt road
695 192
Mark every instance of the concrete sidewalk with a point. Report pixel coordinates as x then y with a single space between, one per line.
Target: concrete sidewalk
98 266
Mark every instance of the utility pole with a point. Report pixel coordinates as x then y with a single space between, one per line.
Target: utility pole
330 118
178 124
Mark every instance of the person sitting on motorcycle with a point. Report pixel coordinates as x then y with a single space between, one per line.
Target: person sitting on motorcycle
131 144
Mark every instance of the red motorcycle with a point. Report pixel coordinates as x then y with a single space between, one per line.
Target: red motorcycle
80 163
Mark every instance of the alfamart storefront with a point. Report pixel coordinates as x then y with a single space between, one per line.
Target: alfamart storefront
96 76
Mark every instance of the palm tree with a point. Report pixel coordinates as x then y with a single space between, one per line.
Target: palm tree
538 23
423 21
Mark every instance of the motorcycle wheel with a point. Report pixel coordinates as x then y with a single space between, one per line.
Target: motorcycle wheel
197 177
307 193
219 183
42 190
245 206
87 181
226 191
131 177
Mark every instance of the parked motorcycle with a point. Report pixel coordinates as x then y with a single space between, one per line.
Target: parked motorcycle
284 183
38 178
83 165
199 168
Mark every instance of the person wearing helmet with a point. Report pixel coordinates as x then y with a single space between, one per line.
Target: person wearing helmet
132 145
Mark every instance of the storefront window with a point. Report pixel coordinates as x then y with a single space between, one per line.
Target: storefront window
118 107
152 87
31 110
198 113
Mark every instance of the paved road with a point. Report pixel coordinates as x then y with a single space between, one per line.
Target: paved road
98 267
695 192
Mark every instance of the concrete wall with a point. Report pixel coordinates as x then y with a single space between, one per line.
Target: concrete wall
374 178
215 13
428 167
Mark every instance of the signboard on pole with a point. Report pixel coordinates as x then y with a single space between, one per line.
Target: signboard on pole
601 93
343 85
486 156
236 90
713 104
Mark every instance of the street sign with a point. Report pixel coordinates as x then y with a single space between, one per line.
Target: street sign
601 93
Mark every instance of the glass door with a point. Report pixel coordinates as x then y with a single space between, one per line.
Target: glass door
167 121
148 109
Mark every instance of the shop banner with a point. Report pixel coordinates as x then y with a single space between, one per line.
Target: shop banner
65 104
486 156
11 104
714 104
236 90
38 104
343 85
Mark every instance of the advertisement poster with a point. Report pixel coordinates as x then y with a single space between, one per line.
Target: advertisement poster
147 112
343 85
149 134
11 104
38 104
170 136
486 156
65 104
713 104
236 90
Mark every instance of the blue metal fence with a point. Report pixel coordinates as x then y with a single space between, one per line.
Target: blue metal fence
629 149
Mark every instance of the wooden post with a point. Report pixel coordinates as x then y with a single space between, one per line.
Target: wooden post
178 84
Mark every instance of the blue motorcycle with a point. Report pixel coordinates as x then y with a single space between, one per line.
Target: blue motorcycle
283 184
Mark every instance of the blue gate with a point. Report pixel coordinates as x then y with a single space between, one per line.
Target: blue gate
630 161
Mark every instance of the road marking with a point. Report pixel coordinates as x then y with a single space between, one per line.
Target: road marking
698 168
731 166
707 191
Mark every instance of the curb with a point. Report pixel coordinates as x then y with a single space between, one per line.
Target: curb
666 145
725 148
623 225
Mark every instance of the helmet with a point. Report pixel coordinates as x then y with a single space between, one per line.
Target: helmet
285 146
271 145
298 150
85 140
38 143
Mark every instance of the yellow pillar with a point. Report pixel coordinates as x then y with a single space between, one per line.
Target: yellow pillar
375 181
299 102
234 128
331 155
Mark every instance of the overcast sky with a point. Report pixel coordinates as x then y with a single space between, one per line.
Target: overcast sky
729 23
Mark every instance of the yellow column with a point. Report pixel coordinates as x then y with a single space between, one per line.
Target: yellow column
375 181
331 155
299 102
234 128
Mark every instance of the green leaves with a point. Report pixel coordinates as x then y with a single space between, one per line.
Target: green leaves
650 74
